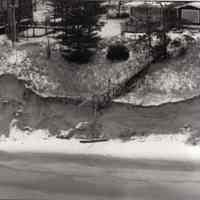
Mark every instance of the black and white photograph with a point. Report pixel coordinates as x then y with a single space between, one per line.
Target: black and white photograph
99 100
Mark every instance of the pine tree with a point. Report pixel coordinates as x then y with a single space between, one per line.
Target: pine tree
81 22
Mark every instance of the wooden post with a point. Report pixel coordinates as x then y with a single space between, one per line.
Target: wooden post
12 22
9 21
35 5
119 8
48 48
27 34
148 28
180 18
164 38
34 31
109 91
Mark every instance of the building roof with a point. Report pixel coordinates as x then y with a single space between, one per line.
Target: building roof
192 4
147 3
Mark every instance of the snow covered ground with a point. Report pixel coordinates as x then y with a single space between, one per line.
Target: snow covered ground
20 61
164 147
175 80
164 86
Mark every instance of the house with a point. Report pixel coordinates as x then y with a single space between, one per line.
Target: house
149 15
189 14
116 8
23 11
177 14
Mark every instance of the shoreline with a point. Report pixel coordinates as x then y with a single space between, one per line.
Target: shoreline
170 147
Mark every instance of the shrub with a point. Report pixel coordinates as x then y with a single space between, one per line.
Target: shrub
176 43
189 39
79 57
117 52
177 47
194 139
193 135
123 15
158 52
126 134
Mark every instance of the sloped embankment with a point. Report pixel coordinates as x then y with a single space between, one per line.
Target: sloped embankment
34 111
57 114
